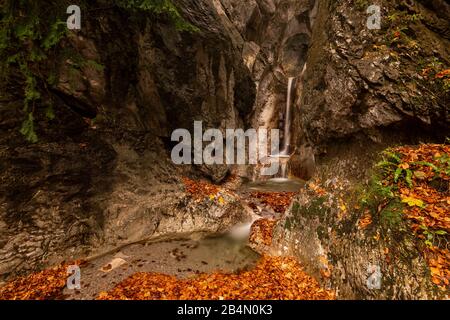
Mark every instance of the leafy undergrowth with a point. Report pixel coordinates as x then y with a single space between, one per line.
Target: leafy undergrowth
419 178
44 285
273 278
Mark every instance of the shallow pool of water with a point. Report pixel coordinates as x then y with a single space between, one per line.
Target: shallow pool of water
181 258
275 185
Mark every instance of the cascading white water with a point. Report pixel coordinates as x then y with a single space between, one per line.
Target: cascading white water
241 232
287 119
284 155
284 169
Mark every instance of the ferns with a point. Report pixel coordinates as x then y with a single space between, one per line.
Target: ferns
28 30
392 163
158 7
58 31
28 128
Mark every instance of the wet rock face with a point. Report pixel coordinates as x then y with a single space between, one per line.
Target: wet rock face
199 76
105 181
98 183
276 37
47 189
158 78
364 90
369 83
377 262
279 30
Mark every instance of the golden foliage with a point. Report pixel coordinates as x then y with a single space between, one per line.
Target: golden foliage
44 285
278 201
200 189
365 220
428 206
273 278
262 232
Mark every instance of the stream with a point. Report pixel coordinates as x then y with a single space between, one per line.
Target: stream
187 257
274 185
182 258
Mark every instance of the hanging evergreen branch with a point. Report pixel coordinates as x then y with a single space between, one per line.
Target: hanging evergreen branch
31 34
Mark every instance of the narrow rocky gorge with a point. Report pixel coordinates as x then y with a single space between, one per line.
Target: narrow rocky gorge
100 178
131 190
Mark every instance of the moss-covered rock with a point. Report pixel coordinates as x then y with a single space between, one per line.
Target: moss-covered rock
346 234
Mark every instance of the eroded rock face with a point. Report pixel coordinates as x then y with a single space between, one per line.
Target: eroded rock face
365 90
48 188
101 173
276 35
369 84
376 262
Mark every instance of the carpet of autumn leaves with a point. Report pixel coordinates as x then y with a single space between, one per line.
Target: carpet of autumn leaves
262 232
365 221
262 229
200 189
273 278
44 285
421 179
278 201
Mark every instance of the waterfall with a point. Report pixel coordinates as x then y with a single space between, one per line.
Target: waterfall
284 155
241 232
283 169
287 119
